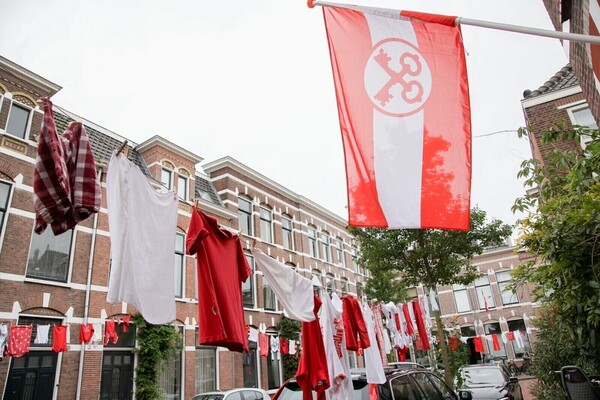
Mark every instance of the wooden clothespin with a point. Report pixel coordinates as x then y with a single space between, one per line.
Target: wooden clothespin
196 203
121 147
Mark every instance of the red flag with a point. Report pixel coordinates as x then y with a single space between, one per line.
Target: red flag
403 104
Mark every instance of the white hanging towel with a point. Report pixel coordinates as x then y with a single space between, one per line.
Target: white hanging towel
373 363
253 335
293 290
292 347
42 334
433 300
519 339
142 225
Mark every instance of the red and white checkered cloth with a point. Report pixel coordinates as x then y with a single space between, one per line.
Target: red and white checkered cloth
65 186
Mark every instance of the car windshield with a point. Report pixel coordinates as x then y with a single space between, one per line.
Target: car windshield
292 391
481 376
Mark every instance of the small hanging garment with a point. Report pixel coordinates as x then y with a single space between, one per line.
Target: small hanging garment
126 320
495 343
253 335
292 347
510 335
274 342
86 332
110 332
19 338
42 333
292 289
284 345
374 365
65 186
478 342
59 338
143 224
97 337
421 325
519 339
263 343
222 267
378 321
327 315
312 371
354 324
409 326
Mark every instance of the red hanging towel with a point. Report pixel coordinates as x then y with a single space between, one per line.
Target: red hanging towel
126 320
510 335
59 338
312 371
421 325
495 342
284 346
86 331
409 326
453 342
478 344
354 324
18 340
110 332
263 342
373 391
402 351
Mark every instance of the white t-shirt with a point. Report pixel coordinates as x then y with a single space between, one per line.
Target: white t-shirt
142 225
373 363
293 290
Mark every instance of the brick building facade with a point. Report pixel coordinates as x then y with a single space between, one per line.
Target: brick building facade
47 279
581 16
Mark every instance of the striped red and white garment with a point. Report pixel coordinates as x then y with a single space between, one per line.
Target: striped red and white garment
403 104
65 186
377 311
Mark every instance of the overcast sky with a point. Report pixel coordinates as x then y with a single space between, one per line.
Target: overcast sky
252 79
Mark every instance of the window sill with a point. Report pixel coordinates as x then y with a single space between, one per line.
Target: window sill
47 282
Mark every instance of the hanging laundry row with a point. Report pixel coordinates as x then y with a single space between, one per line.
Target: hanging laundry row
15 340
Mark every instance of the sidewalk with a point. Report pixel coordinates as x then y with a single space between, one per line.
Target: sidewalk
526 383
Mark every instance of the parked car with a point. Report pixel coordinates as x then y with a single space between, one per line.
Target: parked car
234 394
403 382
488 382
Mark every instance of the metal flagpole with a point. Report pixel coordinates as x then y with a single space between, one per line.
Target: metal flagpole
392 13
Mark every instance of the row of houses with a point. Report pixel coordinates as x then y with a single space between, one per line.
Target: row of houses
47 279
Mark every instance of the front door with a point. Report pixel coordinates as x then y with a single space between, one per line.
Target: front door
117 376
31 377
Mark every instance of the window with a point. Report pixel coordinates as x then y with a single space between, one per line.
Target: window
166 178
354 255
49 255
493 328
330 283
250 369
182 187
352 359
245 216
339 250
404 388
521 343
312 242
326 247
468 331
287 229
359 290
169 377
269 296
508 296
4 194
484 293
206 367
17 121
583 117
344 286
266 225
248 285
179 264
429 390
117 365
316 280
461 297
273 366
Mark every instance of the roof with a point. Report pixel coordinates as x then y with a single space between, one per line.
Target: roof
103 145
204 187
563 79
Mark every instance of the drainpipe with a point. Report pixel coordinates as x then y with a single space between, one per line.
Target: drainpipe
86 309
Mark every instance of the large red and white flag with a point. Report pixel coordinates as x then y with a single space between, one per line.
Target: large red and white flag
403 103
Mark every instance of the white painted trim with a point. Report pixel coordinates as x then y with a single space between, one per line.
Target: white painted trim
19 156
545 98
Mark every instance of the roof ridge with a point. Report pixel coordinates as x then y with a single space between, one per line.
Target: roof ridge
564 78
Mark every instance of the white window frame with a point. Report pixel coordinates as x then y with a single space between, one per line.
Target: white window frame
266 235
186 185
456 288
27 124
287 233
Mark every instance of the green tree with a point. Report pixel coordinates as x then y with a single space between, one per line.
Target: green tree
428 256
562 230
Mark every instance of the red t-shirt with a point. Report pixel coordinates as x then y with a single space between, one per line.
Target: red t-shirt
222 267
